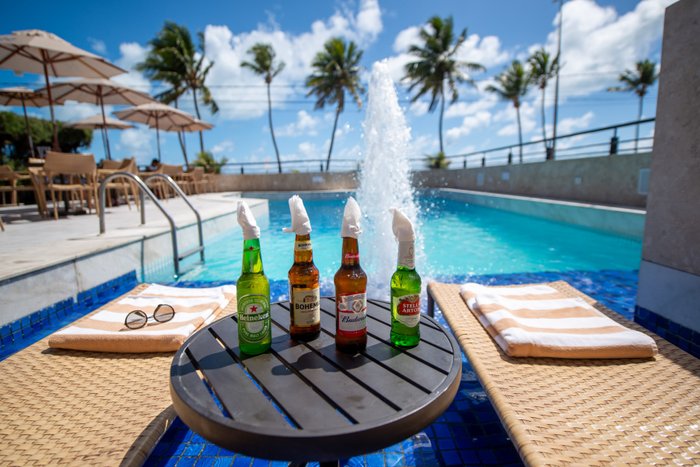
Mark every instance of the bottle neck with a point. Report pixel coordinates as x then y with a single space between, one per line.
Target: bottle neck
302 249
252 259
407 255
351 252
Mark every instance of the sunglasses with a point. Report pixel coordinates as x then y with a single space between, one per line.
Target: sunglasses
138 318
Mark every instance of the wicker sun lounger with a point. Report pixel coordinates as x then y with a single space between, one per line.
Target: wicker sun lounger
585 412
83 408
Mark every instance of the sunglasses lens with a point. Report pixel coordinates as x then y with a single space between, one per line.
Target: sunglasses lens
136 319
163 313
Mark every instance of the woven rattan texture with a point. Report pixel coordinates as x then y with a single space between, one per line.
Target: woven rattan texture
83 408
586 412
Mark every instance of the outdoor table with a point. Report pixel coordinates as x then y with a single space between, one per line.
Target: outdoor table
306 401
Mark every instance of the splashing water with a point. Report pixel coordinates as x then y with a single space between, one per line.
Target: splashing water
385 181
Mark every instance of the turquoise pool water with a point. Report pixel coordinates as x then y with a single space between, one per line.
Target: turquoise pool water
459 239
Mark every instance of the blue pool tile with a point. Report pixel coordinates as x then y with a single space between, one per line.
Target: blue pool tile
451 457
242 461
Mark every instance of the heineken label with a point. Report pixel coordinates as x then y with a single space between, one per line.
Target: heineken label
407 309
407 254
254 317
352 314
302 245
306 306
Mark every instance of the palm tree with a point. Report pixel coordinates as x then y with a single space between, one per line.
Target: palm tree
437 66
512 84
336 71
173 59
542 69
264 64
639 81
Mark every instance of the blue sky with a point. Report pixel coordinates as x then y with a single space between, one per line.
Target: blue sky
601 39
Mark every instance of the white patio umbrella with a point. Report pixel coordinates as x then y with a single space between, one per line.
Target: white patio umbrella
157 116
24 97
36 51
99 92
103 123
196 125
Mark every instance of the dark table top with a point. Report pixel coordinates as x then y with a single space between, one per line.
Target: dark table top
306 401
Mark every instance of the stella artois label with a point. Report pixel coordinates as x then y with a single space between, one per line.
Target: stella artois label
407 309
352 314
302 245
306 306
254 316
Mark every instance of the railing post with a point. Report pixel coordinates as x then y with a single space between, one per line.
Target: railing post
320 166
510 156
464 163
483 160
242 170
614 142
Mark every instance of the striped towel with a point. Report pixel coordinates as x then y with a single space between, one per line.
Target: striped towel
540 321
104 330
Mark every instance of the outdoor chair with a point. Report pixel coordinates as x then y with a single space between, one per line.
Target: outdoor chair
12 178
210 182
584 411
194 182
176 173
121 185
74 407
71 174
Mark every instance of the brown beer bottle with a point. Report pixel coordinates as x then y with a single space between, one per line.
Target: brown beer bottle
304 291
350 287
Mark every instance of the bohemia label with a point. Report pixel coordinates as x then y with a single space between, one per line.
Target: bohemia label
352 310
307 306
408 310
254 314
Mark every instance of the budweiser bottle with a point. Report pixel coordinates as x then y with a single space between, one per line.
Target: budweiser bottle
405 287
304 295
350 287
252 290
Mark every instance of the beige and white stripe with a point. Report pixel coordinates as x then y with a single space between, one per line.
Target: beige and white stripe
105 331
539 321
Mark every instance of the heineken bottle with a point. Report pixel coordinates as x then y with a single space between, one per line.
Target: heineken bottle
304 291
252 290
405 287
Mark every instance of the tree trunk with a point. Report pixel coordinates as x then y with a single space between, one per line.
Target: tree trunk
196 110
442 111
544 132
272 131
520 134
330 148
639 117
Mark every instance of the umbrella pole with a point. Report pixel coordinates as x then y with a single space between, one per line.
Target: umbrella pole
104 142
104 122
158 137
48 92
26 124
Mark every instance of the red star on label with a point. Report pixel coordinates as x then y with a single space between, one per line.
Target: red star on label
250 248
254 308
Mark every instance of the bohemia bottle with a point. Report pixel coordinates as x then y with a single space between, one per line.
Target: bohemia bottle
351 287
252 290
405 287
304 289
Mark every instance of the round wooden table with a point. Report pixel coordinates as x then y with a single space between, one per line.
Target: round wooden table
306 401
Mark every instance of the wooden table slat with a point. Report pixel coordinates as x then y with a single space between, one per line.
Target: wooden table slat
294 395
184 371
231 383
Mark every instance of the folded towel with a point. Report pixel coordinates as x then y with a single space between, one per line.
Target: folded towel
104 331
540 321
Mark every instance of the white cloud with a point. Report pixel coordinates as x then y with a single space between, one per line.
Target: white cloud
471 122
138 142
527 119
97 45
308 149
569 125
305 124
248 98
131 54
72 111
486 101
407 38
224 147
598 43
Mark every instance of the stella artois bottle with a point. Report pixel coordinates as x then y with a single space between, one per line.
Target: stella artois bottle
405 287
252 290
351 287
304 287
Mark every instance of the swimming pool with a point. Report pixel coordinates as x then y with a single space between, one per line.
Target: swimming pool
459 239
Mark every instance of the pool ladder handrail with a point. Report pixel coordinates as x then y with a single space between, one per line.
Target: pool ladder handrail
144 189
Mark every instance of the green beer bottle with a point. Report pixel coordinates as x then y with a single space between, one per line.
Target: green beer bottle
252 290
405 287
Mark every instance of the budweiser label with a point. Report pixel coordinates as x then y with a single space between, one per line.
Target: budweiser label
407 309
303 245
407 254
352 314
306 305
351 256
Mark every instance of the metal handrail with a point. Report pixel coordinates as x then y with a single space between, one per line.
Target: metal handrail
182 194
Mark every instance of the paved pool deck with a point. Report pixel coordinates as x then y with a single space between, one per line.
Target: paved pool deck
30 243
